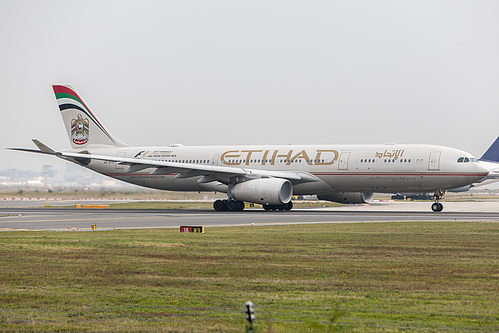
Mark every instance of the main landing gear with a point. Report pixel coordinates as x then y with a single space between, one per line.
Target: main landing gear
437 205
287 206
228 205
238 206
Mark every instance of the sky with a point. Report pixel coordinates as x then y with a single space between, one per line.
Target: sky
252 72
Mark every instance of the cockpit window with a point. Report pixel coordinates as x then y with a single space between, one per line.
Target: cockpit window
466 159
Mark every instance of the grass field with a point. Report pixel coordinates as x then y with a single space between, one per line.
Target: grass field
387 277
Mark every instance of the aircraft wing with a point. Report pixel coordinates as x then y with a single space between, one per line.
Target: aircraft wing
183 170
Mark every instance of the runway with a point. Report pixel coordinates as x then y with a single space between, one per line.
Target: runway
60 219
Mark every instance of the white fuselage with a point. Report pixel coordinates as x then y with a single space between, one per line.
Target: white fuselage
338 168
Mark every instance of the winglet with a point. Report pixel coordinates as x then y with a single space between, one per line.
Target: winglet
43 147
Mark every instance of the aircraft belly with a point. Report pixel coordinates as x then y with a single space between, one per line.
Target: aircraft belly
444 182
169 182
312 188
160 182
357 182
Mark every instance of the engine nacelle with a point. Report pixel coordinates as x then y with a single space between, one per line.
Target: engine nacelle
265 191
348 197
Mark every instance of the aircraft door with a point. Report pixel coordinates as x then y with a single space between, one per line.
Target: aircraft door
434 161
215 160
343 164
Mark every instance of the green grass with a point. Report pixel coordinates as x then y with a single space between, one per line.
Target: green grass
386 277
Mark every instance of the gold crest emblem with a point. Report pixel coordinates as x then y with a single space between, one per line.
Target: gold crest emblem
79 130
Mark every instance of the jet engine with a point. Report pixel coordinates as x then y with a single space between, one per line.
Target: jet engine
266 191
82 160
347 197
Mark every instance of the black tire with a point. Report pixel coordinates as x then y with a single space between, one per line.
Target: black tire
220 205
240 206
289 206
440 207
436 207
232 206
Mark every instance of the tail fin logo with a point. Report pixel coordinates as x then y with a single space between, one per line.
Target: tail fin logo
79 130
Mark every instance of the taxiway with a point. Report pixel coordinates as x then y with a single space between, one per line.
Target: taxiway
60 219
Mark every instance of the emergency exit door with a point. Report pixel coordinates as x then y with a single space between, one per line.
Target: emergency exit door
434 161
343 161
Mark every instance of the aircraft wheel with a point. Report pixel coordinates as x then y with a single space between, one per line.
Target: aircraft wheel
289 206
220 205
235 206
437 207
232 206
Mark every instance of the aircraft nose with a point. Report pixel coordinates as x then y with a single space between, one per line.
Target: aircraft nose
481 171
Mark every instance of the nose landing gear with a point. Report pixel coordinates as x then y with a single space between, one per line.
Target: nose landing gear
437 205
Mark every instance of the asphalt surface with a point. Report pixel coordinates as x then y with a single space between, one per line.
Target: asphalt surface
62 219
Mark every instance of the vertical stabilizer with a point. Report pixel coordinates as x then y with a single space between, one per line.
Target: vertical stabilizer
492 154
83 128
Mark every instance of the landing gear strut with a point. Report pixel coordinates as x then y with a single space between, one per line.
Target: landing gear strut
437 205
228 205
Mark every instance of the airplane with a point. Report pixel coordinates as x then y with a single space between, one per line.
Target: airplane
263 174
490 160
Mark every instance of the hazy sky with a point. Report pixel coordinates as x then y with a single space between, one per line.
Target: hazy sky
252 72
